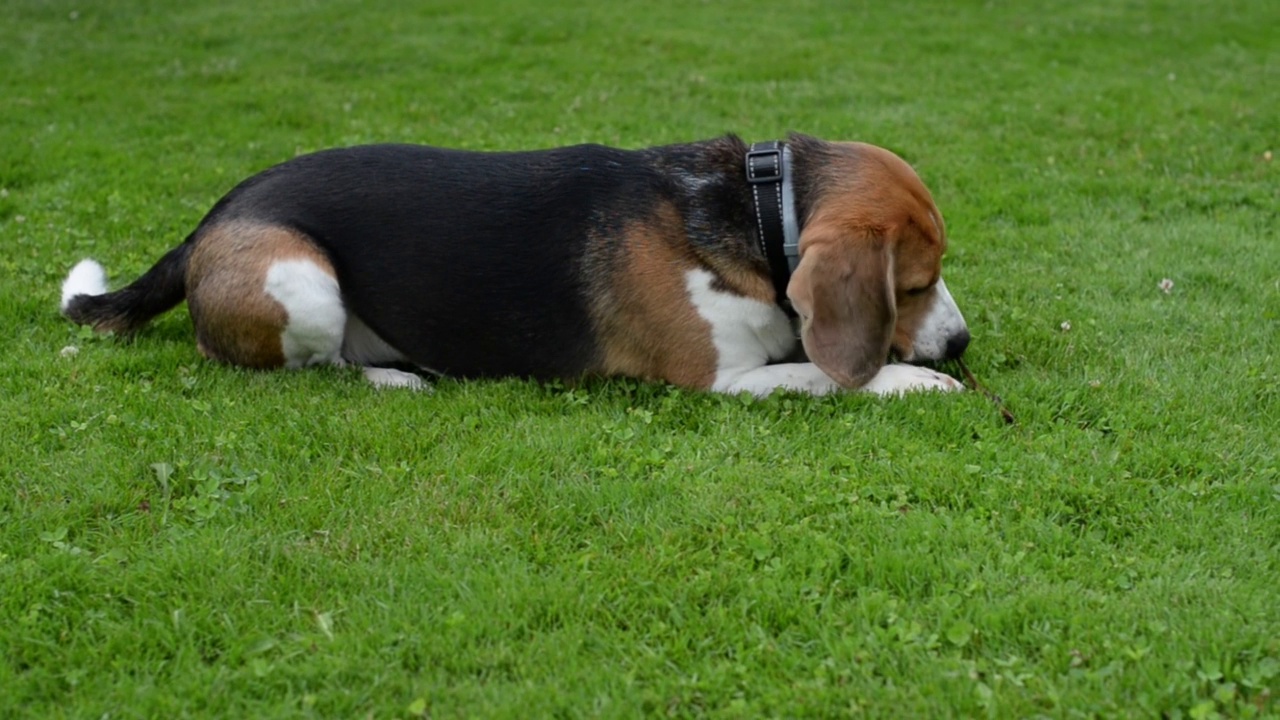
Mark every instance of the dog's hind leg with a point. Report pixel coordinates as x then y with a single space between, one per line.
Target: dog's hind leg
266 296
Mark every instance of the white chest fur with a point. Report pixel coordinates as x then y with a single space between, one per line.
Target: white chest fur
748 335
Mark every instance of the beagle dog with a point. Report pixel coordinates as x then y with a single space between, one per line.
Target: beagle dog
697 264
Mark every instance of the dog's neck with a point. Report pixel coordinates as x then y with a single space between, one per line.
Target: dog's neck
713 175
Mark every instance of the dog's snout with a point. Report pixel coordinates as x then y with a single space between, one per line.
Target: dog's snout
956 344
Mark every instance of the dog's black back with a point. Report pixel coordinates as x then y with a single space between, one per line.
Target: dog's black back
469 263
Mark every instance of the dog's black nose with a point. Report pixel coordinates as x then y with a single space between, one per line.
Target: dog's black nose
956 344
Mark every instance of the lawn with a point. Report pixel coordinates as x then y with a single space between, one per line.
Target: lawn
183 539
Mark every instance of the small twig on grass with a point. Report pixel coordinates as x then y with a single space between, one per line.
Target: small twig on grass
973 383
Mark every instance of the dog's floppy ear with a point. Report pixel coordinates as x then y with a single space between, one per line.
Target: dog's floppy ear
843 291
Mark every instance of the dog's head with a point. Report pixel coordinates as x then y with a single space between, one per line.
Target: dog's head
870 274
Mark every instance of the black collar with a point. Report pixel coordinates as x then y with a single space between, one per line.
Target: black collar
769 173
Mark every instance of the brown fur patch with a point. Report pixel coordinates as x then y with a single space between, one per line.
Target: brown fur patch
740 278
911 314
919 265
647 325
236 320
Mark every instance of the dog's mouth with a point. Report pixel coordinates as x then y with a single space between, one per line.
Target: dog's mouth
946 366
950 355
897 356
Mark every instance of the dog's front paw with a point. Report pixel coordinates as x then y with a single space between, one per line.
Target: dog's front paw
899 378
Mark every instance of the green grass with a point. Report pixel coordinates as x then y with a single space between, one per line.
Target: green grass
179 538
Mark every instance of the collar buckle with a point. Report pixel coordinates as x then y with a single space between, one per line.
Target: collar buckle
764 164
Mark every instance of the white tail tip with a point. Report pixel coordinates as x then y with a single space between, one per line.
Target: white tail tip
86 278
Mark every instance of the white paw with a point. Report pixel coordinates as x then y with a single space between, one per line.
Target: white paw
900 378
392 378
761 381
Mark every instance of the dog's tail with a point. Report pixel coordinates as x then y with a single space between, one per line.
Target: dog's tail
85 299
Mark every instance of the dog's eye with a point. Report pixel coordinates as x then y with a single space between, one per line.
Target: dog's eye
919 291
